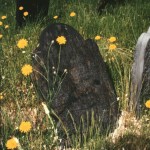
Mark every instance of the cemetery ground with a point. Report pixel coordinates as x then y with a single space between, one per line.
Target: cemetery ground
25 123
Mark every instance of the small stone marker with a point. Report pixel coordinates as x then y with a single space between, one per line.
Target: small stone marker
85 88
140 76
103 3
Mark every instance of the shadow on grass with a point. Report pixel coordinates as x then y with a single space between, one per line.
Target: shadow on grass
127 142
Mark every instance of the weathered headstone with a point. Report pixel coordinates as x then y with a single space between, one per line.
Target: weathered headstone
103 3
87 86
140 76
35 9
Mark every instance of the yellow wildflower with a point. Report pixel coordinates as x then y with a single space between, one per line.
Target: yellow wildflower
112 47
26 69
147 104
6 26
1 36
1 23
55 17
25 126
12 143
97 37
25 13
1 96
22 43
3 17
21 8
61 40
112 39
72 14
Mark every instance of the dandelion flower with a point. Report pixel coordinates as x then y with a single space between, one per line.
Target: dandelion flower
21 8
12 143
55 17
1 96
1 23
1 36
26 69
25 126
112 39
72 14
97 37
25 13
112 47
3 17
147 104
61 40
22 43
6 26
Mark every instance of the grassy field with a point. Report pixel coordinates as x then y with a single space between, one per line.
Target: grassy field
18 98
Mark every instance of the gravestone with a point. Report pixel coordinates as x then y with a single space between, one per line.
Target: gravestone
86 87
103 3
140 75
35 8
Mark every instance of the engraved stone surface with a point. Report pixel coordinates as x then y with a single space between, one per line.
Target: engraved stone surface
87 85
140 76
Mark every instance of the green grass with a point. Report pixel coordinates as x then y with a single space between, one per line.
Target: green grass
126 22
